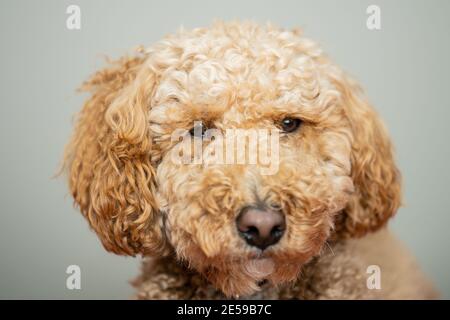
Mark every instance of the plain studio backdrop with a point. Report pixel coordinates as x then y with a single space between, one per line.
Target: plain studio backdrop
404 68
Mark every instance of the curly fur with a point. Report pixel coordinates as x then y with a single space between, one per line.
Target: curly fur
340 273
337 178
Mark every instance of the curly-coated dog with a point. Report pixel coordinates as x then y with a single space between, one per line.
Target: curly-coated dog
308 230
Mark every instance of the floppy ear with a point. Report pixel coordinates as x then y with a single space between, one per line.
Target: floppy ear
375 176
108 159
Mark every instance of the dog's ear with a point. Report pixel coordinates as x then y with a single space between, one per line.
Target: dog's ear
108 159
375 176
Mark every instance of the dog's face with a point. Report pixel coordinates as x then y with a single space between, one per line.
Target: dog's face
237 224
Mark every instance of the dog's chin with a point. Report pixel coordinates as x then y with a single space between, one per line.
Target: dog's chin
243 278
240 273
259 268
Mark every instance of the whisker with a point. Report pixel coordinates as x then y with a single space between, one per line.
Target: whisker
329 247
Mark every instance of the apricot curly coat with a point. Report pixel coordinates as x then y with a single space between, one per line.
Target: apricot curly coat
337 180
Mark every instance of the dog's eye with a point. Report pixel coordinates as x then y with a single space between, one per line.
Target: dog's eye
290 124
198 131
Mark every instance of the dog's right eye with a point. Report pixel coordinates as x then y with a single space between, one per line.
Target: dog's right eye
198 131
290 124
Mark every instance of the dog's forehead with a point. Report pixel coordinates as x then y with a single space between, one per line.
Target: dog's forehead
237 71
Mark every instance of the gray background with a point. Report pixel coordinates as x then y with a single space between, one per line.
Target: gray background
404 68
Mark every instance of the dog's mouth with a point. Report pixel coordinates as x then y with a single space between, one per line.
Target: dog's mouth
253 271
260 268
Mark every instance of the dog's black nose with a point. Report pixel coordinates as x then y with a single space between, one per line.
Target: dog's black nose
260 228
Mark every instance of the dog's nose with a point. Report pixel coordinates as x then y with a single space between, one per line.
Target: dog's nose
260 228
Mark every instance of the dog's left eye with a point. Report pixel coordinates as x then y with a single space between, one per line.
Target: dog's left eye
290 124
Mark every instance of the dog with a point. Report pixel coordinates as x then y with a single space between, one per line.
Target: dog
313 229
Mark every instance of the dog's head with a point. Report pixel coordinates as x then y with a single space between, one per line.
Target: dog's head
236 224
